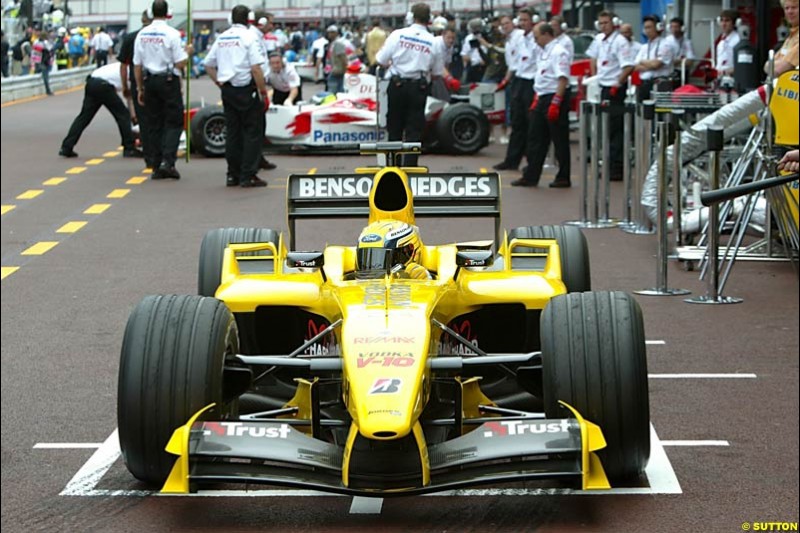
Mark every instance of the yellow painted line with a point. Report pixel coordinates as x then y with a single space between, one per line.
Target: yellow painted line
42 96
147 171
312 170
483 170
118 193
120 147
96 209
30 194
54 181
7 208
136 180
7 271
111 154
40 248
71 227
76 170
95 161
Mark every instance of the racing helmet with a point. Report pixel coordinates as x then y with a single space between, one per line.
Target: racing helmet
385 244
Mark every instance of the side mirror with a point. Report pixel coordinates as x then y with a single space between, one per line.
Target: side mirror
474 258
305 259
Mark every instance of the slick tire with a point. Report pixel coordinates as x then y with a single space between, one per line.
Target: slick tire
209 131
574 252
171 366
213 247
594 358
462 129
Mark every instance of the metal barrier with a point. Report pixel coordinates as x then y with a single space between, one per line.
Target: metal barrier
662 289
677 176
640 224
627 132
18 87
714 142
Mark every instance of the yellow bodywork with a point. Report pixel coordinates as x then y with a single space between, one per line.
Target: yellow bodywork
785 108
386 336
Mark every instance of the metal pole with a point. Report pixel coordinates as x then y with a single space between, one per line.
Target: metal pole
602 219
627 130
714 142
583 221
595 136
661 288
641 224
189 68
677 182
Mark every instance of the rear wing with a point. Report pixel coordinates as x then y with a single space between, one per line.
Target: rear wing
460 194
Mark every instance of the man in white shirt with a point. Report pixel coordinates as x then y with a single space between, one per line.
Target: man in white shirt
284 81
612 62
235 63
101 91
442 82
521 73
559 30
726 42
101 43
677 39
408 53
549 112
654 60
261 25
158 59
626 30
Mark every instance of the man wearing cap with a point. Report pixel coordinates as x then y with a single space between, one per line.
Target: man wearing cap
235 63
158 59
408 53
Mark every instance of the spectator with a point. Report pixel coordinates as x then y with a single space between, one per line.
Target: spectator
375 39
473 53
101 44
4 51
495 56
76 47
42 59
336 60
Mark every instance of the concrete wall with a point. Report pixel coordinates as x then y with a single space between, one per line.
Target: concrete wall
17 87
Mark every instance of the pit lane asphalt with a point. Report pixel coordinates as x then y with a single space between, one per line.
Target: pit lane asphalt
64 312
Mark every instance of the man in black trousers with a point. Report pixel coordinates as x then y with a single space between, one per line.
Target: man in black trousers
129 88
234 63
101 90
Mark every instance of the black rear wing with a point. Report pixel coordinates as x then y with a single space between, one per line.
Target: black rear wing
460 194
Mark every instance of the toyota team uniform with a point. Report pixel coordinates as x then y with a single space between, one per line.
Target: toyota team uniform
410 52
157 49
234 54
283 82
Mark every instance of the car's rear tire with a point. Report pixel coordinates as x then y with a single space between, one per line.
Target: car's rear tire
171 366
594 358
462 129
209 131
213 248
574 252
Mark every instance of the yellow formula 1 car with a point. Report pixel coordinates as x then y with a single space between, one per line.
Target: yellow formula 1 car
391 367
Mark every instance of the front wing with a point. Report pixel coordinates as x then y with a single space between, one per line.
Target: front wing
275 453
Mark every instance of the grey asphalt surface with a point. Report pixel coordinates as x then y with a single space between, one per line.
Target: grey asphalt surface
64 312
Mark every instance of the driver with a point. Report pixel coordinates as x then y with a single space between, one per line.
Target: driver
390 244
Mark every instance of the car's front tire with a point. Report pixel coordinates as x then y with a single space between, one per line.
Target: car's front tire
171 366
594 358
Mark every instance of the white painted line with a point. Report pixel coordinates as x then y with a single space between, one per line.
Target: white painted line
655 342
362 505
66 445
702 376
695 443
95 468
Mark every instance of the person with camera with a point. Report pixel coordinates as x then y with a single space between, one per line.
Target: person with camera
549 112
408 54
235 63
654 60
612 63
473 53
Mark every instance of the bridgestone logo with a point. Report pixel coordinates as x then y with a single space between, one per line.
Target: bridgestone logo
520 427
